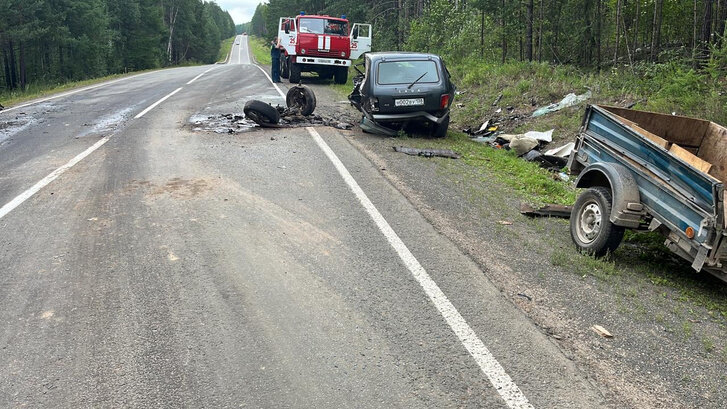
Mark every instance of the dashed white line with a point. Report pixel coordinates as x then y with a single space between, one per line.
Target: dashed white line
503 384
152 106
8 207
199 76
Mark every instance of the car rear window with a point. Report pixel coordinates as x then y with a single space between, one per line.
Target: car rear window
406 72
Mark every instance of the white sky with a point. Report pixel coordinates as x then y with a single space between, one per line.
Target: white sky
240 10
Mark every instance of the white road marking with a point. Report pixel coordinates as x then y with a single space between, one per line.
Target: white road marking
504 385
199 76
7 208
66 94
282 94
152 106
239 51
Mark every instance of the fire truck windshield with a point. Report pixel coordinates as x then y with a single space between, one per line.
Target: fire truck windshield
323 26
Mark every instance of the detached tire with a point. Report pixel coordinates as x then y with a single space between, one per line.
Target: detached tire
590 227
340 76
261 113
294 76
440 130
301 97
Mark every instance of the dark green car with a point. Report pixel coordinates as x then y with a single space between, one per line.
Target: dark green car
396 89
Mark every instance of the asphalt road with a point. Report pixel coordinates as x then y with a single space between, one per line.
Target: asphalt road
275 268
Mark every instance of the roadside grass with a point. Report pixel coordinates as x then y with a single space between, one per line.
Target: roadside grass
260 50
39 90
642 261
225 49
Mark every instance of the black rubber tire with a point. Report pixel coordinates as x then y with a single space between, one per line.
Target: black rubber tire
301 97
340 76
294 76
261 113
590 227
284 68
440 130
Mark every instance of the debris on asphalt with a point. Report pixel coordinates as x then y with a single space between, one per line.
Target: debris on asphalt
551 210
601 331
428 153
529 298
569 101
301 98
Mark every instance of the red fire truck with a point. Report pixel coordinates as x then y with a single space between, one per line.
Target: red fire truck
322 44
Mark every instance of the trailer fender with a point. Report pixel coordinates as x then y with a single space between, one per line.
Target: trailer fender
626 209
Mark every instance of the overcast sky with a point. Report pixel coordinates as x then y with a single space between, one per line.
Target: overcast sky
240 10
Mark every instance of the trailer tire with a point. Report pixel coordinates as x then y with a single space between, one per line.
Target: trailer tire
261 113
294 73
302 98
340 76
590 225
284 68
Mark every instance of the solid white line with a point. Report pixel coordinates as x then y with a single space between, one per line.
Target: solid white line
152 106
239 52
503 384
66 94
7 208
282 94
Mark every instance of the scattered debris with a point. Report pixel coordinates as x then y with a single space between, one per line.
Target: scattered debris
555 163
505 223
529 298
569 100
562 152
370 126
262 114
551 210
601 331
302 98
521 144
428 153
497 101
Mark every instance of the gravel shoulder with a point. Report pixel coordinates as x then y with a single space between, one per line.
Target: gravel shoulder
668 348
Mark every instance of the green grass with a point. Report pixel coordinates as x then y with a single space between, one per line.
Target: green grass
39 90
225 48
260 50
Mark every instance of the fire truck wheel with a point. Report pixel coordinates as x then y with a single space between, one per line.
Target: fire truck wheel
301 97
341 75
261 113
284 68
294 73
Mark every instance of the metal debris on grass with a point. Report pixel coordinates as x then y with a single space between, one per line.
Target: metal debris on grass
428 153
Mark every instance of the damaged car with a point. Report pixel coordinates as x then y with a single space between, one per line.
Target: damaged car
396 89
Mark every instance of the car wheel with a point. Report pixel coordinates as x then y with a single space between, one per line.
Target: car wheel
261 113
284 70
590 225
440 130
294 73
341 75
301 97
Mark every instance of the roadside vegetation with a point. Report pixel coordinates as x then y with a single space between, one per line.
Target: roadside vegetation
45 44
225 49
260 49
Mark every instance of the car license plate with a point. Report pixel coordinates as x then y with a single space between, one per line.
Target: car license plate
325 61
408 102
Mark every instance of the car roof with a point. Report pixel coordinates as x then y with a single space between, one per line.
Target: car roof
401 55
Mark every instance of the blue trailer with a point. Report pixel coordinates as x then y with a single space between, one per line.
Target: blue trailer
643 170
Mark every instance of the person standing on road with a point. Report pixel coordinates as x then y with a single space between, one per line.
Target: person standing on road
275 57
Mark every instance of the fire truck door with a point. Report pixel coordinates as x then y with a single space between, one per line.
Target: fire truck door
360 40
287 35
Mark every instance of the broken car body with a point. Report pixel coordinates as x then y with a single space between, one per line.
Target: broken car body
396 88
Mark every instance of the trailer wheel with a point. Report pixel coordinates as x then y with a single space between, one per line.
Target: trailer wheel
284 68
302 98
340 75
294 77
590 227
261 113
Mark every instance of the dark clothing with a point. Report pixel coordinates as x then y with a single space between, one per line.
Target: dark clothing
275 56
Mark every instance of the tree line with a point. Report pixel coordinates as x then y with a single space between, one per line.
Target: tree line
54 41
594 33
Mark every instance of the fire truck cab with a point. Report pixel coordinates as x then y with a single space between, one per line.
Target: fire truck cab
322 44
